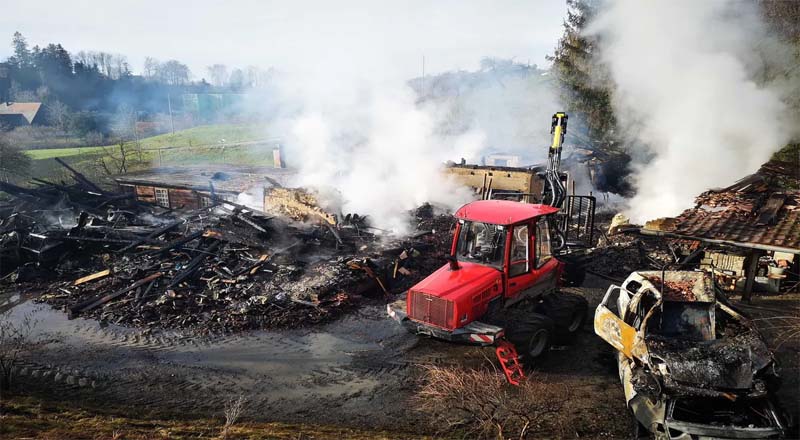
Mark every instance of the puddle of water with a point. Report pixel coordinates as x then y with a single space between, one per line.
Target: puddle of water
275 354
49 322
272 353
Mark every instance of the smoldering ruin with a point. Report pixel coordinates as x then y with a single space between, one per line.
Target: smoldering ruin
222 267
363 241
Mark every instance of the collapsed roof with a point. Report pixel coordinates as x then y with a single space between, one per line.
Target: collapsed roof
225 178
755 212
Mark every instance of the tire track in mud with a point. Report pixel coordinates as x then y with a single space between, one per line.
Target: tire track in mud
334 372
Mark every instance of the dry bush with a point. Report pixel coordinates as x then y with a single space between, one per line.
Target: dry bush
17 339
233 410
480 403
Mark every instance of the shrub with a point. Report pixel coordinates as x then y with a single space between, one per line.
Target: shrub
480 403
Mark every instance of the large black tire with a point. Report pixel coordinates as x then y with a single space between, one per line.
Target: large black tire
568 311
531 334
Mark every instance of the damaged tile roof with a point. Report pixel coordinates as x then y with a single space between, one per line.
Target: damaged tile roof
753 212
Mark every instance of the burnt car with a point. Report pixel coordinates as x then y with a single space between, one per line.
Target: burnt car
692 367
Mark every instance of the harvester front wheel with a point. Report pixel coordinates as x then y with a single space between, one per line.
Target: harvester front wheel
532 335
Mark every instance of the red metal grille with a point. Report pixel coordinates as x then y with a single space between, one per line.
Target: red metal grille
431 309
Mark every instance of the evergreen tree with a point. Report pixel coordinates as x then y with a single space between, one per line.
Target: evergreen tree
583 83
22 55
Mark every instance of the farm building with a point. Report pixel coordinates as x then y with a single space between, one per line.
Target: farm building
19 114
192 186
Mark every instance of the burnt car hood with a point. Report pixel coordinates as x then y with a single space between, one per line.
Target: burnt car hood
730 363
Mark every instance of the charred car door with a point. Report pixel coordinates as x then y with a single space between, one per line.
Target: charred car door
611 327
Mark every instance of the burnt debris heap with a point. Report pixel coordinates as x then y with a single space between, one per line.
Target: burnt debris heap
221 267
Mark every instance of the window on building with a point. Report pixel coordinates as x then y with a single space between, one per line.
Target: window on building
205 201
162 197
520 241
543 251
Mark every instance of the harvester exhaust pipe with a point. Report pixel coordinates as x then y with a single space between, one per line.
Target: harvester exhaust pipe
453 262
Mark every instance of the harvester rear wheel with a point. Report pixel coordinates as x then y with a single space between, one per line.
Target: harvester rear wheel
568 311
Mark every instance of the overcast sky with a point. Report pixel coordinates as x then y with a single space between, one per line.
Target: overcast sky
372 37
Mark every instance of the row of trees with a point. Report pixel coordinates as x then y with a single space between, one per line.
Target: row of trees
86 94
78 87
237 79
92 81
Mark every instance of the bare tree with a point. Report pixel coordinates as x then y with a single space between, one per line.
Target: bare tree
237 80
233 410
17 93
111 65
120 158
124 122
218 74
175 73
151 67
258 77
58 115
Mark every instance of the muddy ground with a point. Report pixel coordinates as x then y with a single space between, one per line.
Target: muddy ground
359 371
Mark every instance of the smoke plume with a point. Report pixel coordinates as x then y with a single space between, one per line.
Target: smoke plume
689 96
376 152
375 147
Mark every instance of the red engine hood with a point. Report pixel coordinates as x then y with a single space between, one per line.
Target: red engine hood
456 285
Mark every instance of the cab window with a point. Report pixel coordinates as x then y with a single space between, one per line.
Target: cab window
543 252
520 250
482 243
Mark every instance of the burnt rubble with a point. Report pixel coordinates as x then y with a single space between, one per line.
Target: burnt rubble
103 255
616 256
691 364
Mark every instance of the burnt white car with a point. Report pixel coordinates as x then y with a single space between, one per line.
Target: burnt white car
691 366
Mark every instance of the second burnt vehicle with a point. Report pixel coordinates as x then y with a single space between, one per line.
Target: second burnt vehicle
503 277
691 366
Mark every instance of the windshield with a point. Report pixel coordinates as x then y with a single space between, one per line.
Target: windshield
482 243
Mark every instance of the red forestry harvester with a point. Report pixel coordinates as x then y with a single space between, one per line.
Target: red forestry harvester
501 282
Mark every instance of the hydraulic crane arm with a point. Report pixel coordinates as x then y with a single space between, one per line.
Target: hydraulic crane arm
554 190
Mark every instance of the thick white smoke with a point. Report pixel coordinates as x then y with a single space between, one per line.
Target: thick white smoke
378 155
685 76
372 146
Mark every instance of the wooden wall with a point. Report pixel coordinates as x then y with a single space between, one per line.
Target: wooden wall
178 198
183 198
145 194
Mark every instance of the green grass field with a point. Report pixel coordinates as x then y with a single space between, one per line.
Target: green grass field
204 144
61 152
204 135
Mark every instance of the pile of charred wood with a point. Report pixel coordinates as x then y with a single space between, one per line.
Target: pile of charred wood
620 254
103 255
